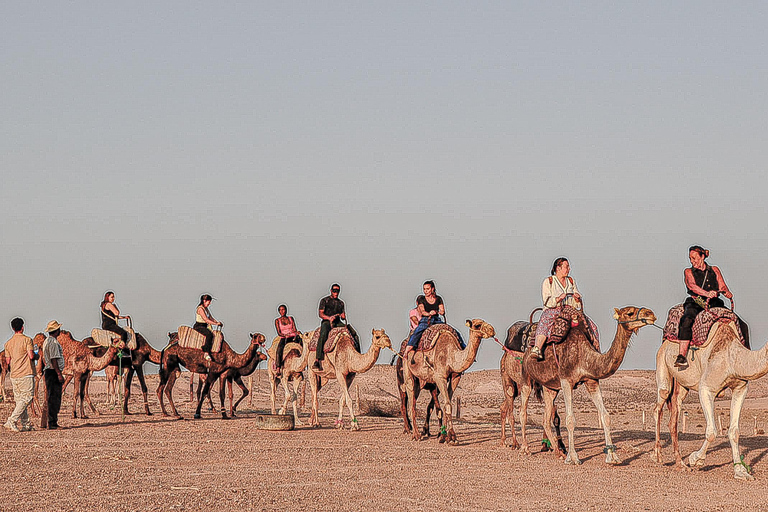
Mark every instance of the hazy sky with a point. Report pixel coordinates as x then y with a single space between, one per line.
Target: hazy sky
261 151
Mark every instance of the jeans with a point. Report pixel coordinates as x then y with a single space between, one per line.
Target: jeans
424 323
52 396
23 393
325 328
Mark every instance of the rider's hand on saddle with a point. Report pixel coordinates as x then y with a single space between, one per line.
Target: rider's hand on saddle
713 294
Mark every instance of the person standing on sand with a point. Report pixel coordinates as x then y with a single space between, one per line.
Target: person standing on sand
53 358
20 355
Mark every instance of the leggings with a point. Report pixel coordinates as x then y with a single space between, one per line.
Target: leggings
281 346
203 329
685 332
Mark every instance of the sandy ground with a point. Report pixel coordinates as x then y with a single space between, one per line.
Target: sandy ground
155 463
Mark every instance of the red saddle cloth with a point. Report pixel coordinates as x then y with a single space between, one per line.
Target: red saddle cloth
429 336
701 326
330 343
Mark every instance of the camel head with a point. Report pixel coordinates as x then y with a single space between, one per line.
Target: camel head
39 339
633 317
380 339
257 338
485 329
173 337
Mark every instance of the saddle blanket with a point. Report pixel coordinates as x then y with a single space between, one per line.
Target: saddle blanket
701 326
190 338
272 352
429 337
519 335
104 338
333 338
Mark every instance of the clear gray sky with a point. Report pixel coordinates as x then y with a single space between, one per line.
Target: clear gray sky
261 151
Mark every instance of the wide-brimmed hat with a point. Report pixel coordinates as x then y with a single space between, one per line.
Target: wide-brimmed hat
52 326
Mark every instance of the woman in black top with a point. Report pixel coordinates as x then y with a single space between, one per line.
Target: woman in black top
432 309
110 315
705 283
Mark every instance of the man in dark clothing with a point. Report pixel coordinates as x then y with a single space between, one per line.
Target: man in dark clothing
53 357
331 313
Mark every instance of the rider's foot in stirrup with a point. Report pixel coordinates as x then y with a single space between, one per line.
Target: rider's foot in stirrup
317 366
536 352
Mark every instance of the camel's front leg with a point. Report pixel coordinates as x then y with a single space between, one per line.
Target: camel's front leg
570 422
525 395
346 384
550 414
410 392
273 392
172 376
740 468
707 400
507 412
445 394
675 405
296 387
88 395
314 421
593 388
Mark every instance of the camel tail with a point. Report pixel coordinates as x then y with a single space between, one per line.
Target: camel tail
537 392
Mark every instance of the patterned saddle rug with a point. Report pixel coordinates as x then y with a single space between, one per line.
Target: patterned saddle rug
429 337
557 324
104 338
272 352
519 335
333 338
190 338
702 325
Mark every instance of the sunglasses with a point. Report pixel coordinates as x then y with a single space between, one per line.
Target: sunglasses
335 290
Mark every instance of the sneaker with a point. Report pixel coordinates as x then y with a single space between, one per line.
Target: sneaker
27 428
317 365
680 361
536 352
11 426
207 356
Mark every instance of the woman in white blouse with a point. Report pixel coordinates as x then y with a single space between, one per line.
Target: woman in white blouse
559 289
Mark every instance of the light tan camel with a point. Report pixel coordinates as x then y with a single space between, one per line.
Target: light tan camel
342 364
79 364
436 366
293 366
722 362
575 361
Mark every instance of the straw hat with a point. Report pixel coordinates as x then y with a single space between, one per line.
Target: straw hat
52 326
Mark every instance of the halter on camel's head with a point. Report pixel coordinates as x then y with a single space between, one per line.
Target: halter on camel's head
258 339
642 315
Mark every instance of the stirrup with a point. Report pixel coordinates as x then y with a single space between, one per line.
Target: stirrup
536 351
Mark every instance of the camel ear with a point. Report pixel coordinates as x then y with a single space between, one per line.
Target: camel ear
615 313
469 323
373 331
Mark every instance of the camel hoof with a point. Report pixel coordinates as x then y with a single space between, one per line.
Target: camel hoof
148 413
224 416
355 427
515 445
545 448
572 460
693 461
298 423
741 473
126 413
338 424
525 450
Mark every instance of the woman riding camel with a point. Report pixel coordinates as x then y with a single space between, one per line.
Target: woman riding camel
203 322
110 314
432 310
704 283
286 328
559 289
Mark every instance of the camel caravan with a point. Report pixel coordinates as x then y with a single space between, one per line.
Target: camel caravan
704 347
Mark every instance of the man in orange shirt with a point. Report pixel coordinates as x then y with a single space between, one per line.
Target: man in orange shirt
20 355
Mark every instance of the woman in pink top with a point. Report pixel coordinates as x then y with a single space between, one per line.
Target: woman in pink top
286 328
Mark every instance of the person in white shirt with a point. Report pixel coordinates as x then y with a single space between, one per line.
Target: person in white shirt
559 289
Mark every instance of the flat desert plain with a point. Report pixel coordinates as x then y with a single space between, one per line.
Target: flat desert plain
156 463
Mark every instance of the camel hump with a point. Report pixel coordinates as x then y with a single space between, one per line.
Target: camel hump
433 332
702 330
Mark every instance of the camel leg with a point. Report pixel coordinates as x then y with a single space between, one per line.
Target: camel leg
675 405
348 399
286 394
88 394
297 383
80 392
410 387
169 393
525 395
273 392
243 388
433 404
548 421
403 406
250 392
507 411
446 393
139 370
570 422
707 400
593 388
664 385
160 390
740 470
314 382
191 386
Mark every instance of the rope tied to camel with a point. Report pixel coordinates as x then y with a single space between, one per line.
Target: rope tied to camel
693 349
609 448
742 463
546 442
354 420
443 430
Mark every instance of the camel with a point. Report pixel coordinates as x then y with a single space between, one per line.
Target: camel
721 362
342 363
193 359
575 361
293 365
110 372
434 402
511 368
79 363
236 375
3 373
437 364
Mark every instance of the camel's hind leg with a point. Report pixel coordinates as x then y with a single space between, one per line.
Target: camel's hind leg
172 376
740 470
273 393
446 393
593 388
507 411
525 395
675 404
298 382
347 380
550 413
314 382
707 400
664 384
570 422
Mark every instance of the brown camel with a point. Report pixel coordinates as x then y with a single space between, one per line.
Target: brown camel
512 380
293 365
437 364
721 362
79 363
173 356
575 361
342 363
3 373
434 402
236 375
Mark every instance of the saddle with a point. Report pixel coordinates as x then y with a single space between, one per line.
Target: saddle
105 338
519 335
429 337
702 325
272 351
561 326
190 338
333 338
